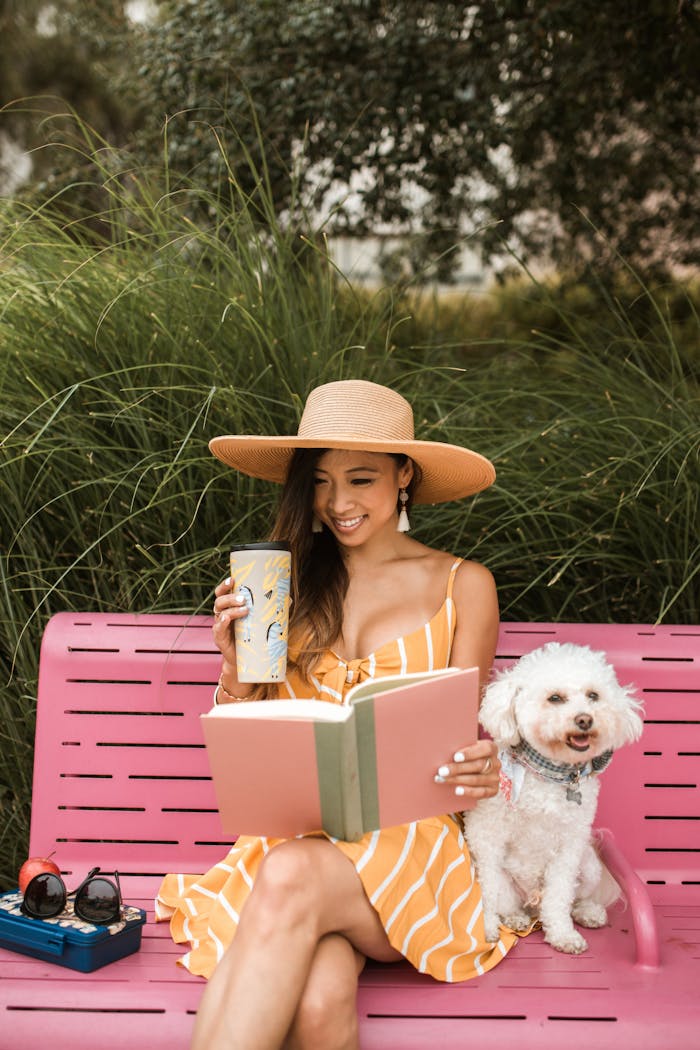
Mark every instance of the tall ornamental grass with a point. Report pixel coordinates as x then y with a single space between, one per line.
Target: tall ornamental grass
130 337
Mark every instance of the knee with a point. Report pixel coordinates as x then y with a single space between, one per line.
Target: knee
286 883
327 1016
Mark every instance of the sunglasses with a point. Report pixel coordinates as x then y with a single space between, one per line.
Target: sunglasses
97 900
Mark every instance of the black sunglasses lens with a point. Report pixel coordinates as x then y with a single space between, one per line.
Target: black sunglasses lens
98 901
45 896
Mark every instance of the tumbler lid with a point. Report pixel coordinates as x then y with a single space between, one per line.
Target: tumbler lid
271 546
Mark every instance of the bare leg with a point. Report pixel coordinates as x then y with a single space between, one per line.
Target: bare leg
304 890
326 1017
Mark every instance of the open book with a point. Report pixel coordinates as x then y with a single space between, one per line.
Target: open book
286 767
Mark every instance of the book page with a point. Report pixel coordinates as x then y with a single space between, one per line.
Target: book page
283 710
374 686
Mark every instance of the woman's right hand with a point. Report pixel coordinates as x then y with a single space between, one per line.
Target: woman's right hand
228 607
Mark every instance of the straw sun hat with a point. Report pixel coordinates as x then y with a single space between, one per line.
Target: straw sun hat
355 414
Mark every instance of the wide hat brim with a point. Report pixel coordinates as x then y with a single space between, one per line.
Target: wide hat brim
363 416
448 472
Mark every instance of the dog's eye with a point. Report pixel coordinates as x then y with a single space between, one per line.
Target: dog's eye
555 698
592 695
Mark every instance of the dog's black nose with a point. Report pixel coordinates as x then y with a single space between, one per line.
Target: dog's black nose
584 722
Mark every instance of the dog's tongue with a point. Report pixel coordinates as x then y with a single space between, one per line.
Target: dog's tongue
579 742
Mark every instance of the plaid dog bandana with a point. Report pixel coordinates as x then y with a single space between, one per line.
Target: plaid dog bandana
568 774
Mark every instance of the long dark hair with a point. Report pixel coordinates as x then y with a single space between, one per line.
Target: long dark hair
319 575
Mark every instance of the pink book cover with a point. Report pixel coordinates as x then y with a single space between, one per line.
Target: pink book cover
264 773
287 767
417 729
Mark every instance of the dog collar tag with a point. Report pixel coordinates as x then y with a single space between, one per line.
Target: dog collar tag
573 792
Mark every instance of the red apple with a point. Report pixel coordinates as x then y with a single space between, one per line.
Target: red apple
35 866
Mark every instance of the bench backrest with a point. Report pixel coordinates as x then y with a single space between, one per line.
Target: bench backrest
121 776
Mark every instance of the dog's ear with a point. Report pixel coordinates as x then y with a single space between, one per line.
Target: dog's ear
497 712
629 716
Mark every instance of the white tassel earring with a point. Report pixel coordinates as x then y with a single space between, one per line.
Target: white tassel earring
316 524
404 524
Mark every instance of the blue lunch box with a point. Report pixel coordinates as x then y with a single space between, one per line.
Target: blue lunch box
67 940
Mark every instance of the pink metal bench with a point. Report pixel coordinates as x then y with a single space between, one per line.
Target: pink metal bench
121 780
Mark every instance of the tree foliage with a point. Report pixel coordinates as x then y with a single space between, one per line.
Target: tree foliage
63 61
566 129
552 125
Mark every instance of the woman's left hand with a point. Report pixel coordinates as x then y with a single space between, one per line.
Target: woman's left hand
474 771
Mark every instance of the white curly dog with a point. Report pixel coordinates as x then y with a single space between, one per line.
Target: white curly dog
557 716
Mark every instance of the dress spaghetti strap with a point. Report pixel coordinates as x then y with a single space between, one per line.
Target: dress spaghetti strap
451 577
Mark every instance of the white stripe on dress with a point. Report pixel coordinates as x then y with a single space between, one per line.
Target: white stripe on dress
419 882
331 692
240 867
477 959
163 911
449 607
451 936
410 836
402 653
217 944
429 643
197 888
434 910
369 852
229 909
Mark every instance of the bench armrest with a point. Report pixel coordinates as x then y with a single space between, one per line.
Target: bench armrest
643 918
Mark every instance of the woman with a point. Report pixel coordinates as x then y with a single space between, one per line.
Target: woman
367 601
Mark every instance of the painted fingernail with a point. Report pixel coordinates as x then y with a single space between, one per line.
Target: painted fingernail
438 779
459 756
459 790
227 581
238 598
444 771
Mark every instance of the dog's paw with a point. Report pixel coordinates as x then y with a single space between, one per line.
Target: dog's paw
589 914
492 934
492 929
572 943
518 921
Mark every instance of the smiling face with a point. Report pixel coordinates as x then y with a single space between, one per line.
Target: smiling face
356 493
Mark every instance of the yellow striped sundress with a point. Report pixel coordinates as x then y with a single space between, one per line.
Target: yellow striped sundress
419 877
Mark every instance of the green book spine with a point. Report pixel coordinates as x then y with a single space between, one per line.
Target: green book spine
339 779
367 762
